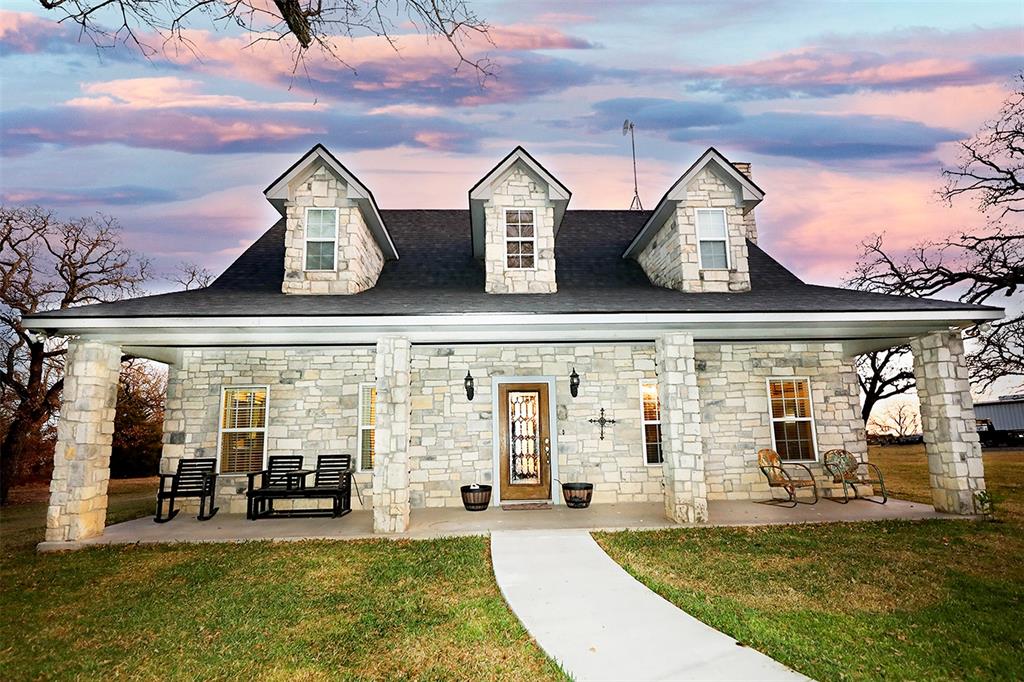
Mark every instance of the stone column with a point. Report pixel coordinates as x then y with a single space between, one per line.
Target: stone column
947 419
81 460
681 445
391 465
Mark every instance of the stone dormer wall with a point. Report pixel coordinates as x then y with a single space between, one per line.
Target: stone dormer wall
671 259
517 191
358 260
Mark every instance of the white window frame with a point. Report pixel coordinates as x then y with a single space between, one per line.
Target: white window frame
728 245
533 239
220 422
644 422
320 240
360 427
772 420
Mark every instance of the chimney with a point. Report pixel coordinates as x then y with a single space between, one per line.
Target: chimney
744 167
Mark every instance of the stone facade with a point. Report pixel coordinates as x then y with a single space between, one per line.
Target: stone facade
735 419
519 189
313 407
358 260
682 447
947 417
672 260
391 468
81 459
452 441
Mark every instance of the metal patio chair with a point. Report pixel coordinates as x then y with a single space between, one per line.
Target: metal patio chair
845 468
774 469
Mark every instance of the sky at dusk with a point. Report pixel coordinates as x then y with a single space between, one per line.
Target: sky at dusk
847 112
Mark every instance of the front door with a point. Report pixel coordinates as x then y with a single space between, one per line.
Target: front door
525 442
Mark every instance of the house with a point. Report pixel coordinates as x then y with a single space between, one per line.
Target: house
346 327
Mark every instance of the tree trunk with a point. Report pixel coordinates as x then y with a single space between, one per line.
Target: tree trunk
869 404
20 436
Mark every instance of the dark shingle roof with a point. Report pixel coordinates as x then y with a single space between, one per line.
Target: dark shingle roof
437 274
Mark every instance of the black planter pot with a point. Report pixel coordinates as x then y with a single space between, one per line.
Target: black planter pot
476 497
577 495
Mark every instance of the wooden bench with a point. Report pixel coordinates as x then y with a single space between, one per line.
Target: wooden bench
194 478
285 479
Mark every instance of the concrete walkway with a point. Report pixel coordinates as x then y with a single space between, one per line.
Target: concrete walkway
599 623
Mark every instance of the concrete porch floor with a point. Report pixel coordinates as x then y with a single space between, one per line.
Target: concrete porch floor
446 522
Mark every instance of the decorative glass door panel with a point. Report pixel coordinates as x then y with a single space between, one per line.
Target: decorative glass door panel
524 438
524 442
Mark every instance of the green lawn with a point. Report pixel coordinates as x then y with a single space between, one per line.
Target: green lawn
313 610
929 600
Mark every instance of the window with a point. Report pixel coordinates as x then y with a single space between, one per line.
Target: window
243 429
321 238
792 418
650 415
713 238
367 422
519 240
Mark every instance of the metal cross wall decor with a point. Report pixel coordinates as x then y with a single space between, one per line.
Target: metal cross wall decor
602 421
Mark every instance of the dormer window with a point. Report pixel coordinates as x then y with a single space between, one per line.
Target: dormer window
321 238
520 240
713 238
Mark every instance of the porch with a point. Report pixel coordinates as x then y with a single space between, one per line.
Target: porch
427 435
449 522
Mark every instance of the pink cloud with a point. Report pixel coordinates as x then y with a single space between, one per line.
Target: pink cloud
900 60
817 231
420 69
24 33
167 92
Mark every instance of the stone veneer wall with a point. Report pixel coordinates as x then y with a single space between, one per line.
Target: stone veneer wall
313 406
671 259
358 260
947 418
682 443
452 438
732 380
391 465
519 190
85 431
314 410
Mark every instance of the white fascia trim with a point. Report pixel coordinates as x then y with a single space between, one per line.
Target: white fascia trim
750 196
476 320
356 191
485 188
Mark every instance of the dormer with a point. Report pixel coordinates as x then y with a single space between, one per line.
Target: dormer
335 239
696 237
515 211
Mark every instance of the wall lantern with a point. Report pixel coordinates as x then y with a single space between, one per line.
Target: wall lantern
468 383
574 383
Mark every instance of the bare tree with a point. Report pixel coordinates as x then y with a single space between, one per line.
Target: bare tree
139 422
882 375
302 23
47 263
191 276
991 167
978 266
901 420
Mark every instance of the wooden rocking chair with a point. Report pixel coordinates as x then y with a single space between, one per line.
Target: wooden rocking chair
845 468
773 468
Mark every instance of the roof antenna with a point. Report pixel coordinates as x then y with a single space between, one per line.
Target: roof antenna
627 127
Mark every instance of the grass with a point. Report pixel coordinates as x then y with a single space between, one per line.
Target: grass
933 600
375 609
